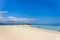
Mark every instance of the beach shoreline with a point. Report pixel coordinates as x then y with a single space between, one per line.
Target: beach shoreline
26 32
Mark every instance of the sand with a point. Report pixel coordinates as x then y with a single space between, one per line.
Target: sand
26 32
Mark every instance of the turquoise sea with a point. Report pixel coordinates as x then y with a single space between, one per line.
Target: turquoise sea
49 27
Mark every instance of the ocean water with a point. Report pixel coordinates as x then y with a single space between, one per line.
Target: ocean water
49 27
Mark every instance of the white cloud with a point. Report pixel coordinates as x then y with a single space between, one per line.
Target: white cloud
12 18
2 19
2 12
15 19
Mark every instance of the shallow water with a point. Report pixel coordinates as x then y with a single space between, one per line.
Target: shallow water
49 27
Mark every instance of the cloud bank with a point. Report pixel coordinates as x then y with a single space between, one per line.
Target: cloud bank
14 19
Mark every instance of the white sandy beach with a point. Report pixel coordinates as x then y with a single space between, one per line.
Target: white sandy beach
25 32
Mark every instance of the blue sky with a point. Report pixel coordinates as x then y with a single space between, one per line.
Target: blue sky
41 10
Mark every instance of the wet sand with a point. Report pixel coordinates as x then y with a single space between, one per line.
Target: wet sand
26 32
